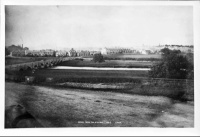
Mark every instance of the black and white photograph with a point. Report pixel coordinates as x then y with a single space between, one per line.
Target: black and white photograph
99 65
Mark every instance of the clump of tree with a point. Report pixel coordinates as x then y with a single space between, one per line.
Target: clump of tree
98 57
15 48
173 65
7 52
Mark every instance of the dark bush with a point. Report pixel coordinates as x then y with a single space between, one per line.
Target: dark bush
98 57
173 65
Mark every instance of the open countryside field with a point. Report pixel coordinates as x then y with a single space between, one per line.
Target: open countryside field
87 62
18 60
54 107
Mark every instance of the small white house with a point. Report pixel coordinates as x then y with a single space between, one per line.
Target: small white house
143 51
104 51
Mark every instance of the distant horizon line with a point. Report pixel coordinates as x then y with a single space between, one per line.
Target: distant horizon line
117 46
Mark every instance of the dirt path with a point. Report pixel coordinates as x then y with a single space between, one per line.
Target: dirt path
83 108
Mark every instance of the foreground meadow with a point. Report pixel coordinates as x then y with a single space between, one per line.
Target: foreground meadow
84 108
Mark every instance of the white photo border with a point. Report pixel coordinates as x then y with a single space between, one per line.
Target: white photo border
111 131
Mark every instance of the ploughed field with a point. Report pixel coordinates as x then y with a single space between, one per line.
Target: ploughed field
55 107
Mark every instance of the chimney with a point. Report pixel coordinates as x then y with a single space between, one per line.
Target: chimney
22 46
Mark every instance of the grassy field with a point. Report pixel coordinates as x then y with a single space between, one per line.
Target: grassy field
108 63
133 56
19 60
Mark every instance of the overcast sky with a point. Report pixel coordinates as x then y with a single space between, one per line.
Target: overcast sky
59 27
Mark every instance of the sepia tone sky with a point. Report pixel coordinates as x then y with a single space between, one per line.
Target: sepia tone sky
60 27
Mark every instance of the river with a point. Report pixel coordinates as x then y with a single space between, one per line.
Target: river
98 68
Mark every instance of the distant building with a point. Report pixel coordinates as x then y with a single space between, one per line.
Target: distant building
49 52
148 51
94 52
40 53
143 52
33 53
83 53
127 51
72 53
106 51
19 53
61 53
